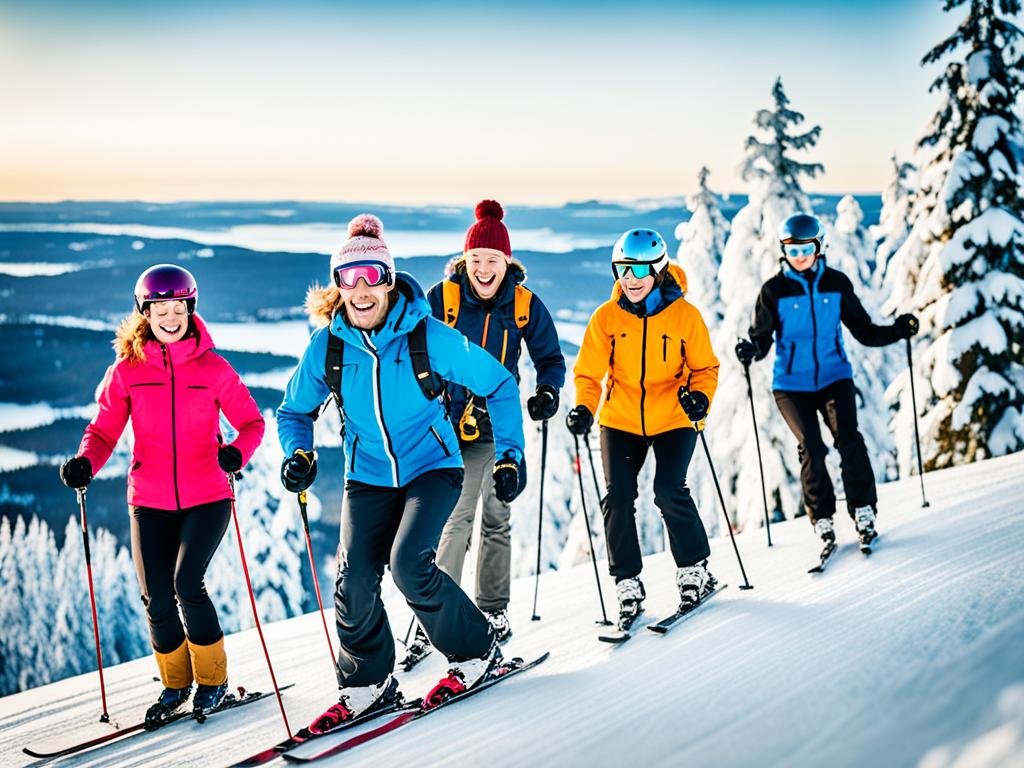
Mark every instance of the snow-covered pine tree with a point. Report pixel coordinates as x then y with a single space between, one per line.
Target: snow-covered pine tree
701 244
850 249
894 221
751 255
962 267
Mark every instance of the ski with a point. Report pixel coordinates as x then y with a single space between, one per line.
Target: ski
826 554
621 632
515 666
663 626
303 736
230 702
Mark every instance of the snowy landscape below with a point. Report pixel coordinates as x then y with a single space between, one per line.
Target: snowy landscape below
910 657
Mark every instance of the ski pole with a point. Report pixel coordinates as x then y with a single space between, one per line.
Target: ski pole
408 632
540 512
105 717
917 434
760 461
252 601
746 584
586 517
316 581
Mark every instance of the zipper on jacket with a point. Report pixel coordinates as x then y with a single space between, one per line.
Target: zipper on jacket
440 441
792 354
664 347
487 323
504 345
814 331
352 461
378 405
168 361
643 373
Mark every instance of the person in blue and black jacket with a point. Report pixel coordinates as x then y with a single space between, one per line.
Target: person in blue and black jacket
483 297
802 308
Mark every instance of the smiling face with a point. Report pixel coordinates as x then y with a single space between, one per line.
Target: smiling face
366 306
168 320
636 290
486 269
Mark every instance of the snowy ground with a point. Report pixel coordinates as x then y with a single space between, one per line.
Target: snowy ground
914 657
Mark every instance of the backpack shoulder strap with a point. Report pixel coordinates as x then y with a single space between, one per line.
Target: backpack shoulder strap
452 299
332 365
521 306
431 385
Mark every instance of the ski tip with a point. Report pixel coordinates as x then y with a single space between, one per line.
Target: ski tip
615 638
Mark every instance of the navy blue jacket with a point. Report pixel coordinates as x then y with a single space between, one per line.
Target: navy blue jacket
803 312
492 325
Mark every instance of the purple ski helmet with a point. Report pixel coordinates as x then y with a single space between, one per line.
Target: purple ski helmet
166 282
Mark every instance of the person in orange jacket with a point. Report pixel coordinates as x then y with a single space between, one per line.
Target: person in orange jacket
653 348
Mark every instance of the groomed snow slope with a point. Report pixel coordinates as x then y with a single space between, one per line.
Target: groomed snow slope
912 657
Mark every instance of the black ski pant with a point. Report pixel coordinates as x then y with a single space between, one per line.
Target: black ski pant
837 404
400 527
171 550
623 455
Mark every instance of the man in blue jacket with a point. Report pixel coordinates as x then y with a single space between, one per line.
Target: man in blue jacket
802 307
404 470
483 298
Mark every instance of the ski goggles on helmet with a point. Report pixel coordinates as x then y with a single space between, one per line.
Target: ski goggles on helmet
638 269
800 250
372 272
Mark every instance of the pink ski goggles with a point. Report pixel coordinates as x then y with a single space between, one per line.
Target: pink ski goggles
372 272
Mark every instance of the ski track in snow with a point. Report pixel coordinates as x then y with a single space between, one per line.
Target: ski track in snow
911 653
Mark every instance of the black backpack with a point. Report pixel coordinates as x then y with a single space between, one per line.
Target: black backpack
431 385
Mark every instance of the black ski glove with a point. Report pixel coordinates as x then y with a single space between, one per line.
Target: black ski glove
906 326
298 471
745 352
580 420
76 472
229 458
544 404
509 477
694 403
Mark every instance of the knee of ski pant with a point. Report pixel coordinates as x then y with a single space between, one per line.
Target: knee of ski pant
209 662
670 491
175 667
619 496
414 572
189 590
498 527
159 607
355 593
813 451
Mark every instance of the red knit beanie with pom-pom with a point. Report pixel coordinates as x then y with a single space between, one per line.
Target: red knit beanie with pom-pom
489 231
364 243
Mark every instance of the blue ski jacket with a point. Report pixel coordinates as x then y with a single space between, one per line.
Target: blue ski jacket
393 433
805 313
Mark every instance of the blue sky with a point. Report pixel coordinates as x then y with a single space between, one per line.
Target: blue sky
535 102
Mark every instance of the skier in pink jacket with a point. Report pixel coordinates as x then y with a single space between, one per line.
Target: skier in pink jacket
170 382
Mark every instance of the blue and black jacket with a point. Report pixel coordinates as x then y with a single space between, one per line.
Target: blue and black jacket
393 433
492 325
803 312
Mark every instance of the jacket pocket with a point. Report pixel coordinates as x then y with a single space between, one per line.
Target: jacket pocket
440 441
839 349
664 348
147 384
352 460
792 357
197 386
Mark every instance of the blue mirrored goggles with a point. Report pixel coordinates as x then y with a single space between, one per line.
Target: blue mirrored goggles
638 269
799 250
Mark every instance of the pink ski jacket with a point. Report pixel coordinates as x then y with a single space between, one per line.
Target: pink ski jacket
174 399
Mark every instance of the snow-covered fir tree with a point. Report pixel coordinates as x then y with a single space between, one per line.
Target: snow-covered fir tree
701 244
850 249
751 256
962 267
894 221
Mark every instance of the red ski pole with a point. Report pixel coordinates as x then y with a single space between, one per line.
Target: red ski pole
316 581
252 601
104 718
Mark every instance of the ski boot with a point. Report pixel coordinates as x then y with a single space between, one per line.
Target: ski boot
207 699
357 701
694 584
416 650
825 530
170 701
630 593
864 518
499 623
463 674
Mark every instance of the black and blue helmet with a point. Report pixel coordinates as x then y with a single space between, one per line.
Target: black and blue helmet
802 228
